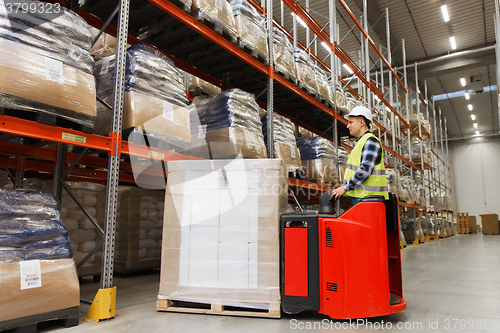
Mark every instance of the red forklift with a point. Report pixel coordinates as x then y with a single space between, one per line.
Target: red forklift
346 266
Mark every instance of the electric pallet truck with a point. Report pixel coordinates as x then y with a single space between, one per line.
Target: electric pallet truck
346 266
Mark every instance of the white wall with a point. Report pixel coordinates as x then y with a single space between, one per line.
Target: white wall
476 175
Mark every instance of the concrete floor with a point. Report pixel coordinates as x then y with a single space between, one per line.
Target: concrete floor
451 285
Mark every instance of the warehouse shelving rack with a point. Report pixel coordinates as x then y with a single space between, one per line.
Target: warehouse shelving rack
198 50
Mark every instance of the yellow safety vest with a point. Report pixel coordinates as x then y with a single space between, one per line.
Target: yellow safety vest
376 183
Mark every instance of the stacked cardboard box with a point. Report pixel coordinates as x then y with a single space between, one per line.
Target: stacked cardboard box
221 232
490 224
139 227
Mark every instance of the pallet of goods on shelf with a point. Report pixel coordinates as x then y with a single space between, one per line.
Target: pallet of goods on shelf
251 28
39 278
351 102
218 15
283 55
155 107
222 247
305 71
408 193
416 151
343 156
82 233
105 44
322 86
339 97
411 231
306 134
139 228
394 184
285 146
414 119
199 86
47 69
227 126
318 160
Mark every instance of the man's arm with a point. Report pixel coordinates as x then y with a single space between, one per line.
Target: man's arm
369 156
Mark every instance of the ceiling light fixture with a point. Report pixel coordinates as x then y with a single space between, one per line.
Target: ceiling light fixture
473 117
477 132
462 82
302 23
467 96
453 43
475 125
444 10
348 69
470 107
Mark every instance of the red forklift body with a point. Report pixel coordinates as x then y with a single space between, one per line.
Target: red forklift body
344 267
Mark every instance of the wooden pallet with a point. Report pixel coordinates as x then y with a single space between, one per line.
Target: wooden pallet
286 75
66 317
45 114
274 309
487 233
218 27
308 90
154 140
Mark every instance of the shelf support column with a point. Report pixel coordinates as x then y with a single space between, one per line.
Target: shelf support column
270 80
104 304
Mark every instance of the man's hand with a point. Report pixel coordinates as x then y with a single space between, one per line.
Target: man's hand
337 193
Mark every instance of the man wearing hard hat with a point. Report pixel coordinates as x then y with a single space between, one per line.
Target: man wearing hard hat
365 170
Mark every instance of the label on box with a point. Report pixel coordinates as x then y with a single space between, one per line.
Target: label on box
251 139
104 67
74 137
156 154
292 152
54 70
168 111
218 4
31 274
202 132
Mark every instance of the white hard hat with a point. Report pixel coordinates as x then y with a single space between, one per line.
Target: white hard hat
361 111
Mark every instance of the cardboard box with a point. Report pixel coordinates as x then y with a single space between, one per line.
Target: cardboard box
221 231
24 75
59 289
490 224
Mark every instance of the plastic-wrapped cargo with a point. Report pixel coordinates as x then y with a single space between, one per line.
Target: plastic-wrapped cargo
154 103
221 233
283 54
251 27
47 67
82 232
322 84
285 146
218 12
339 97
305 69
351 101
343 156
416 151
227 125
306 134
407 189
318 159
205 87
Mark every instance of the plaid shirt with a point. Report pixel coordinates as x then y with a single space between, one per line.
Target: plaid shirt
369 156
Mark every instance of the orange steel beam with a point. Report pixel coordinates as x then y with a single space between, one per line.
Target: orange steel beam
346 146
365 33
308 185
350 88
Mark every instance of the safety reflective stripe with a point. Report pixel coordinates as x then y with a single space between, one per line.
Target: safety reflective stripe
374 172
372 188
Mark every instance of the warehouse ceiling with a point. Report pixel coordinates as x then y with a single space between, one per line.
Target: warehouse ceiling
427 42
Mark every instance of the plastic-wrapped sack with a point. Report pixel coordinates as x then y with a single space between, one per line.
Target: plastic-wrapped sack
351 101
306 134
154 102
318 159
47 65
283 54
218 12
305 69
251 26
204 86
343 156
322 86
339 96
227 125
406 184
285 146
